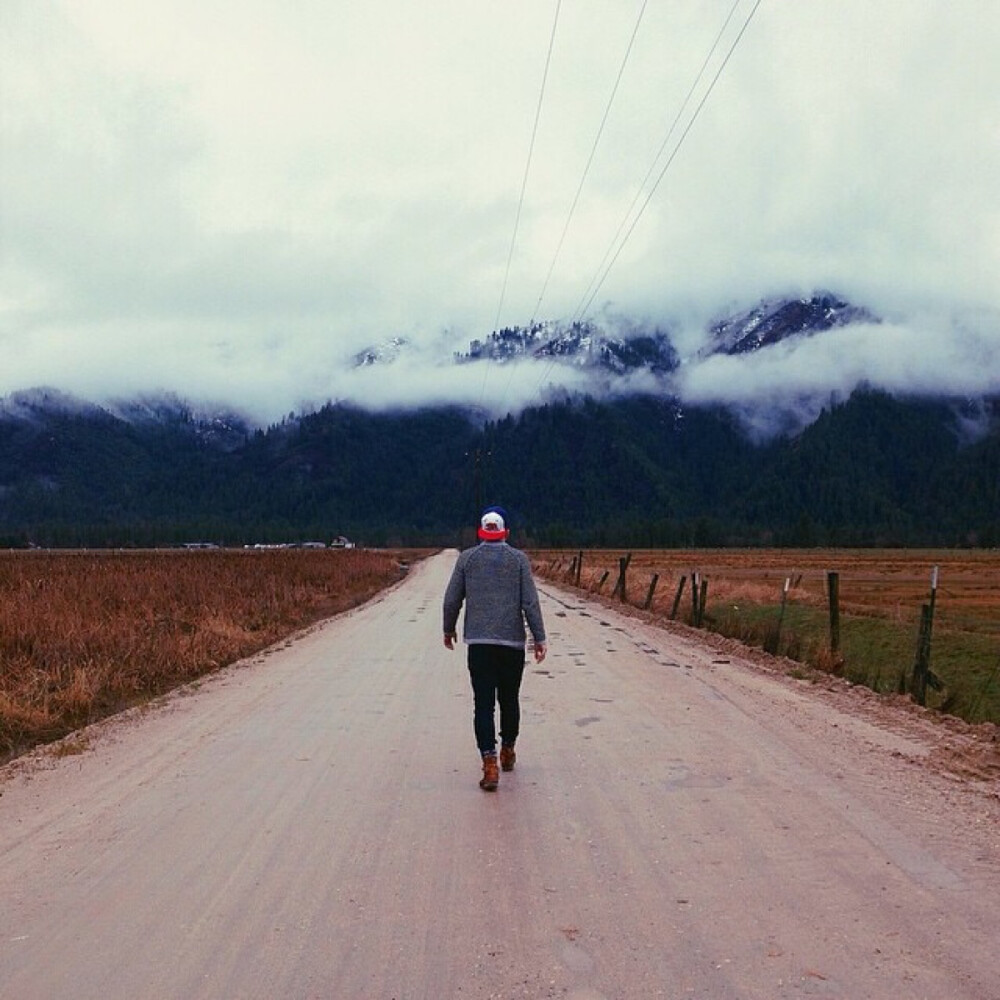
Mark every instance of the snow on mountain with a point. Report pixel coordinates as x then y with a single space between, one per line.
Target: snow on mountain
384 353
623 351
215 426
580 344
775 320
734 369
35 405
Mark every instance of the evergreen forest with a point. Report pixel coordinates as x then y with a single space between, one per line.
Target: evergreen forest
873 470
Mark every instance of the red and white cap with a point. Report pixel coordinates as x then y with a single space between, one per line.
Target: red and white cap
492 527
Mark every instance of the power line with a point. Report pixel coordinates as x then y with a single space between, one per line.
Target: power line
590 160
672 157
517 216
527 167
578 312
614 251
524 185
583 178
602 272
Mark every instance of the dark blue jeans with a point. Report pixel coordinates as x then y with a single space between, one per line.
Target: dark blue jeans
496 673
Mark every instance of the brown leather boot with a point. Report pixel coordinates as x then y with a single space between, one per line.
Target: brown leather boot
491 773
507 758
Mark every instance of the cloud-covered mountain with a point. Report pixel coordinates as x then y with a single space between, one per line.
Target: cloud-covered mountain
622 348
630 456
190 204
774 365
580 346
775 320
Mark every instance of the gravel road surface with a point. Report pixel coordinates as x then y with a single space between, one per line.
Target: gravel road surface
682 822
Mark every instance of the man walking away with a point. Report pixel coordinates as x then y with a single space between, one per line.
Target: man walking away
495 583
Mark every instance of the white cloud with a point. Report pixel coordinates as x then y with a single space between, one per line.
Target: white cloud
220 197
785 386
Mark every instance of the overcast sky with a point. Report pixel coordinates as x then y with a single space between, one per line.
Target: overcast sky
229 199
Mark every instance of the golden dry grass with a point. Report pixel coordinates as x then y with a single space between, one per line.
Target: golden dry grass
885 582
85 634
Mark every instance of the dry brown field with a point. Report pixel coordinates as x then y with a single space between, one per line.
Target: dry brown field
881 593
889 582
86 634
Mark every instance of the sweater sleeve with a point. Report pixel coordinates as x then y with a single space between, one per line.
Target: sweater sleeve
454 596
529 601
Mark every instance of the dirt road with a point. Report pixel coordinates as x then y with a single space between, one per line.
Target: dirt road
681 823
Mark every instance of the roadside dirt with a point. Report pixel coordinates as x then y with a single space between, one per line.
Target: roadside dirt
953 746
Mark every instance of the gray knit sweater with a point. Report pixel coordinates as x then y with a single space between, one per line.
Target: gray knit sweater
495 582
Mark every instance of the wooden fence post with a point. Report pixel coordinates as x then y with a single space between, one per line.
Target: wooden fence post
620 587
919 684
600 583
677 598
695 577
776 645
833 591
579 566
652 589
930 612
702 601
923 676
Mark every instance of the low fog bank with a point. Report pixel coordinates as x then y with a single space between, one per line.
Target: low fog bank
783 388
777 389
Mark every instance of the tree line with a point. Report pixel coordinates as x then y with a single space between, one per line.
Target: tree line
874 470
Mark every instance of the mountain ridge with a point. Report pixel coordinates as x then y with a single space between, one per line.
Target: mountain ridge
623 347
867 467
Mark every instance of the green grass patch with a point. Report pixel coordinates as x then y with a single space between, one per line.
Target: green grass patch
877 652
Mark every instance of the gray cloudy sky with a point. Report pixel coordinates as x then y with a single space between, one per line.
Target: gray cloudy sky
228 198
